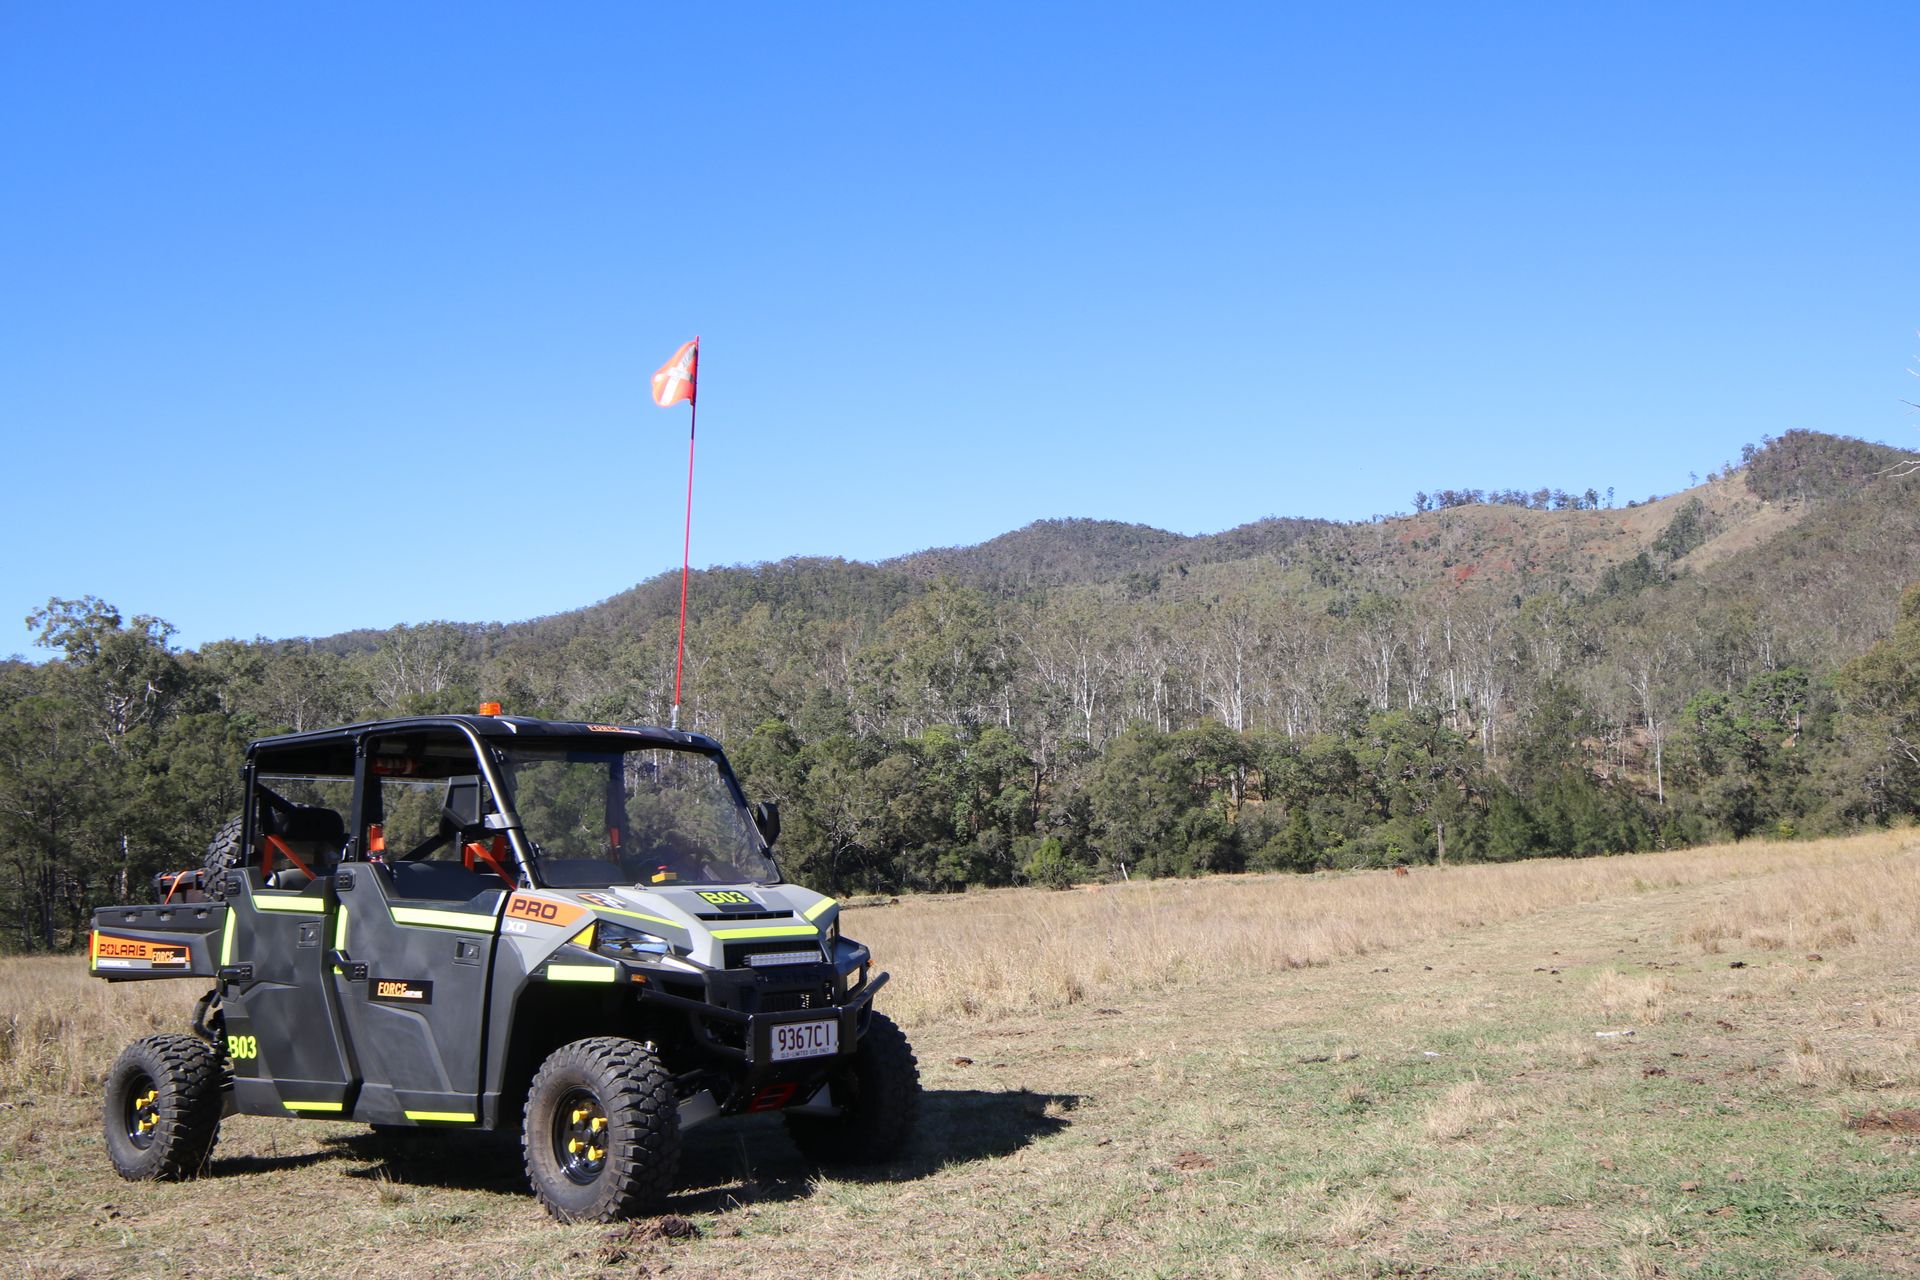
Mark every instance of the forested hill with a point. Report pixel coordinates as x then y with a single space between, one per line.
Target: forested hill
1053 553
1493 675
1466 542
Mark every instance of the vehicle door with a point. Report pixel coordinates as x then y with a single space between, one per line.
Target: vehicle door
418 920
282 1033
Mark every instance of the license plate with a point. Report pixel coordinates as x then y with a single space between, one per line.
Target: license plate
806 1039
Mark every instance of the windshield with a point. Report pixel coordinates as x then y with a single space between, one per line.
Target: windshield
656 817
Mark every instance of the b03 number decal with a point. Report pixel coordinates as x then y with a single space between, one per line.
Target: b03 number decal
727 898
242 1047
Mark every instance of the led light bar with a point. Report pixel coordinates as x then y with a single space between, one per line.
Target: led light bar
766 958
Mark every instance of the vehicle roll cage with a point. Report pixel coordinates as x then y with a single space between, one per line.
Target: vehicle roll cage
484 735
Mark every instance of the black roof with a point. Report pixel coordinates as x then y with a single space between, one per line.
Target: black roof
497 728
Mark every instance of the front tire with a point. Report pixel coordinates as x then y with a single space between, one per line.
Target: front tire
601 1131
878 1096
163 1106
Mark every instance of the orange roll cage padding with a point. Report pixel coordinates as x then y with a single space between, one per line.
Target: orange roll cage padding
273 845
494 857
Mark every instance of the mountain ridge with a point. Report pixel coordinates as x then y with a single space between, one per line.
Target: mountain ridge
1470 548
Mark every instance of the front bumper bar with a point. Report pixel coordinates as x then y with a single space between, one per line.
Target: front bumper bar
756 1047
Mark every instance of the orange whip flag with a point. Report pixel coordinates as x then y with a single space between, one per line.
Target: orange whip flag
677 380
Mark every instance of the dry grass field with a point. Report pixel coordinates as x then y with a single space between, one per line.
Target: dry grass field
1703 1063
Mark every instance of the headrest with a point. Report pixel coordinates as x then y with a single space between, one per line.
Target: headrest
307 824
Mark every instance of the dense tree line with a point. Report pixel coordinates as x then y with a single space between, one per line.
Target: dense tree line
1531 499
1090 700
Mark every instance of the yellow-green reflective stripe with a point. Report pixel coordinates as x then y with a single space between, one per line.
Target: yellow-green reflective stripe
445 919
340 930
771 931
315 1106
819 908
226 939
295 902
451 1117
581 973
638 915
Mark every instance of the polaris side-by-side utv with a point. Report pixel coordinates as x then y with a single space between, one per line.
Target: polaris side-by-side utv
488 922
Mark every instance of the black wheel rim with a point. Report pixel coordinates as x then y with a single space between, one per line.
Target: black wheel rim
580 1136
142 1110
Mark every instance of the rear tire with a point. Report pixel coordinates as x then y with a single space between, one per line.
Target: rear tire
601 1131
163 1104
878 1094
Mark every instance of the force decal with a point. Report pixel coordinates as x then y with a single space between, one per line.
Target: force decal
401 991
727 898
524 906
600 900
112 952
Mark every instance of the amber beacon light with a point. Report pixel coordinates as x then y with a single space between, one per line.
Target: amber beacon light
489 708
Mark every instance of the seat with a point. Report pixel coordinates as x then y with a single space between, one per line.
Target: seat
308 838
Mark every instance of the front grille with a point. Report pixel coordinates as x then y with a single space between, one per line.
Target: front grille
792 1001
743 915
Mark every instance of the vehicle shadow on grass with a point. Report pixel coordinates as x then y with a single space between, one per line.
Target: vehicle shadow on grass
241 1166
454 1159
723 1165
732 1163
459 1161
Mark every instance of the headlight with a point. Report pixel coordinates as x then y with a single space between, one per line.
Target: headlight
622 943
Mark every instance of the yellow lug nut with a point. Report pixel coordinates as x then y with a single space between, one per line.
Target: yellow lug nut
574 1145
599 1123
580 1113
594 1153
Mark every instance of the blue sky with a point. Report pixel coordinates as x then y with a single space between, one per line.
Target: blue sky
335 316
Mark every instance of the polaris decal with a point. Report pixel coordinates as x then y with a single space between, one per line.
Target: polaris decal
110 952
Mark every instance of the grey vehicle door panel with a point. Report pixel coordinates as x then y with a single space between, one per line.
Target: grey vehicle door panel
416 1014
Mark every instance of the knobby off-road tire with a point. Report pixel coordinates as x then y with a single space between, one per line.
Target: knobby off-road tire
224 853
878 1093
601 1131
162 1110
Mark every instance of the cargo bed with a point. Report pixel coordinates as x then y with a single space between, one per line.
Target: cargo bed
173 940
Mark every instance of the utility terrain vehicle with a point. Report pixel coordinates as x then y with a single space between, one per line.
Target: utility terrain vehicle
490 922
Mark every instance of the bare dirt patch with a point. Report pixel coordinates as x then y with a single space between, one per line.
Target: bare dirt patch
1905 1121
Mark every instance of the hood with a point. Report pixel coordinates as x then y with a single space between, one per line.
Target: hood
704 921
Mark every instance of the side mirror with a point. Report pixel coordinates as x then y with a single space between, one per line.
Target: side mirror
766 816
461 811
